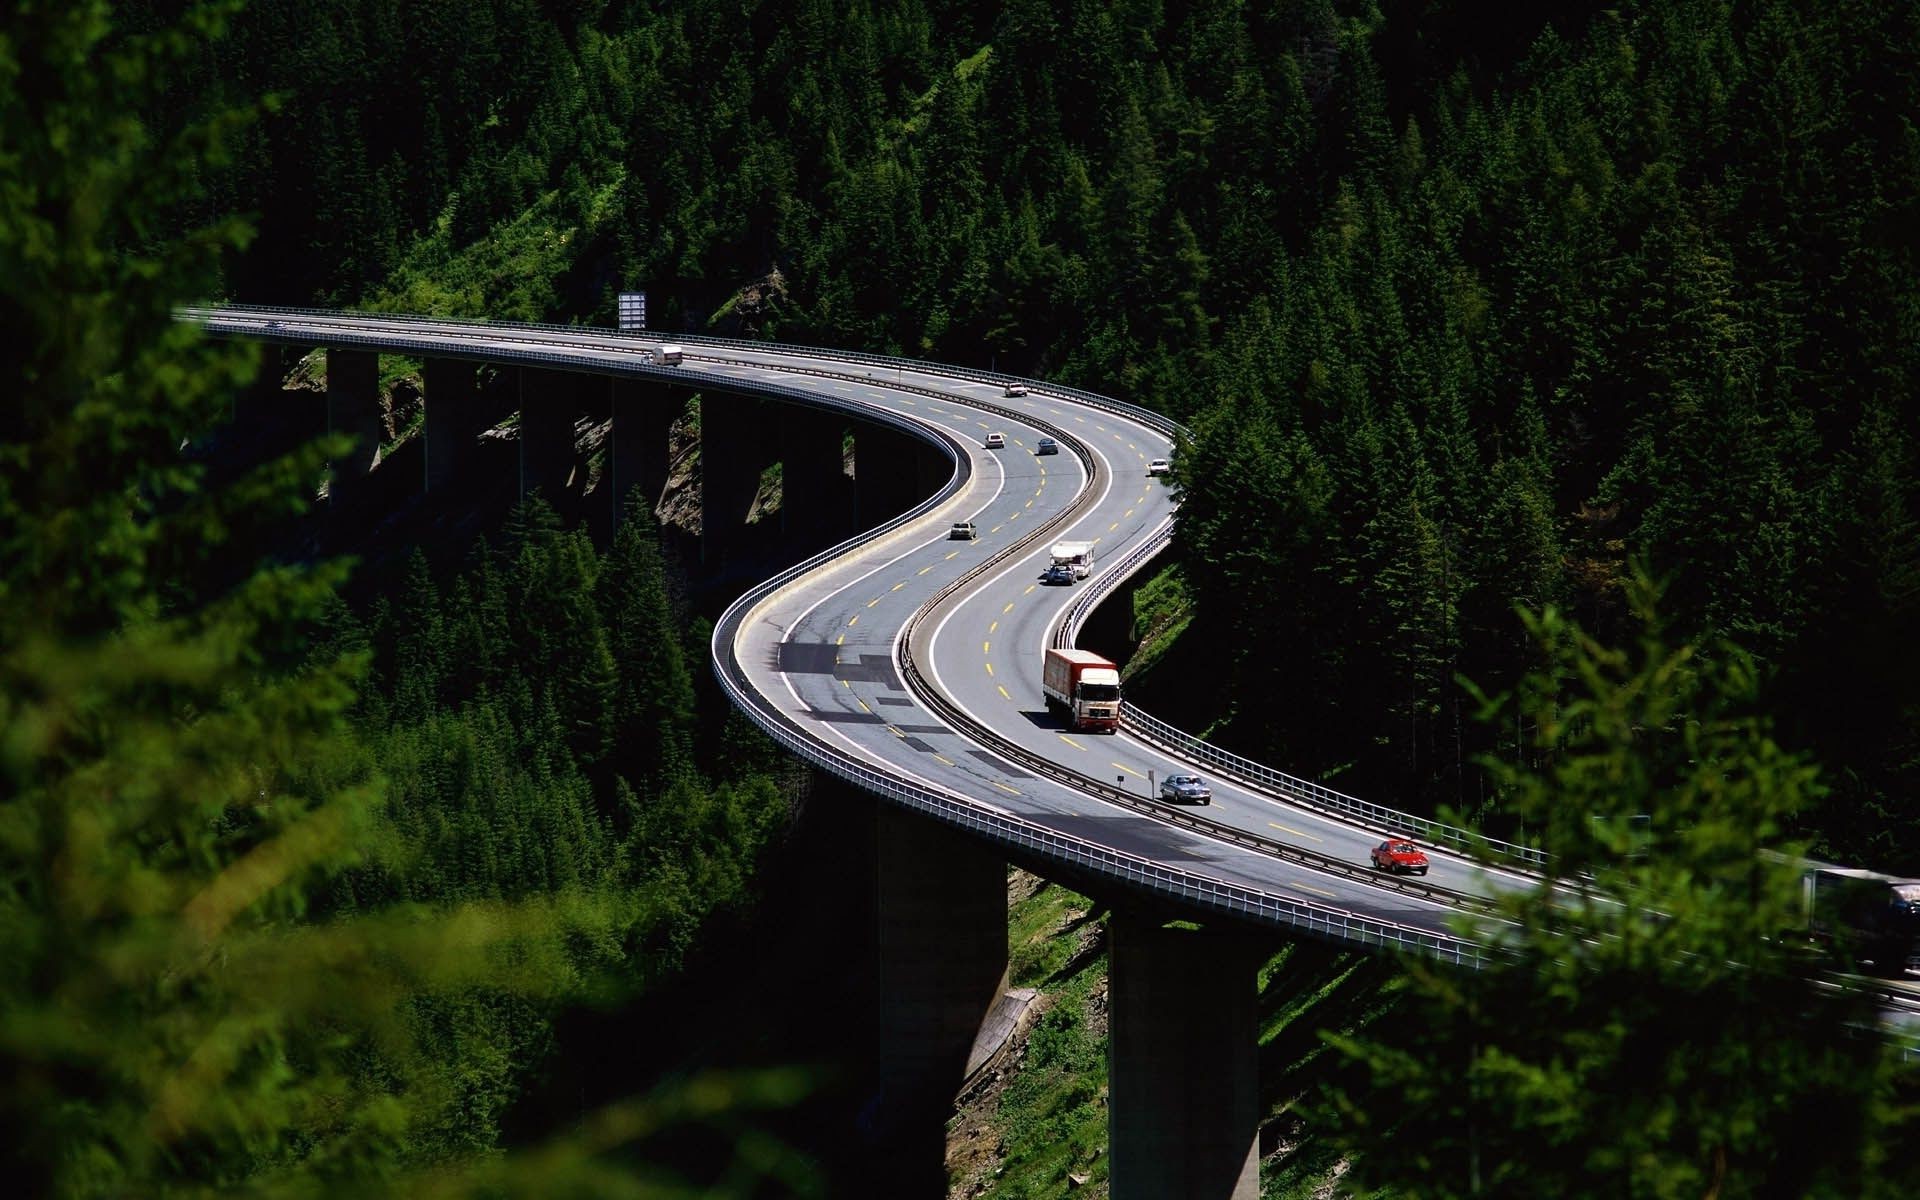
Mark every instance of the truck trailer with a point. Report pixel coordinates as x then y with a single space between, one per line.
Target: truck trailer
1077 556
1084 687
670 355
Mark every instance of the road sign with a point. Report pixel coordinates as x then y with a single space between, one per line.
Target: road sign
633 311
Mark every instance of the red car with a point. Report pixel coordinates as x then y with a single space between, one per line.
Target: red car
1397 855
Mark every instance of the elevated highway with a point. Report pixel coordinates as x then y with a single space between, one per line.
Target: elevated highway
907 664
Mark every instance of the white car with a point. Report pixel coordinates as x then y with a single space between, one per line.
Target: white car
1016 389
1158 466
996 441
963 531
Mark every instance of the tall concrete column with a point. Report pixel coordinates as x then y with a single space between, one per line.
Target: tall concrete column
816 499
1183 1081
739 440
886 473
353 408
941 933
639 453
549 402
455 418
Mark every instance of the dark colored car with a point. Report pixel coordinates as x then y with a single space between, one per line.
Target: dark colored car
1057 573
1047 446
1397 854
1186 789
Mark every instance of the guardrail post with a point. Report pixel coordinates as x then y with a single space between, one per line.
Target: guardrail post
353 408
1183 1087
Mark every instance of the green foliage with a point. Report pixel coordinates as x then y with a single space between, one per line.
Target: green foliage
1650 1027
230 964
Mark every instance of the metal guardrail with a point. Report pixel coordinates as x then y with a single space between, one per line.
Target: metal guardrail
1180 744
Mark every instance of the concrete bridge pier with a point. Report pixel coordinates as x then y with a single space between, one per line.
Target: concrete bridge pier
455 417
353 408
892 472
1183 1087
941 939
549 403
816 496
638 450
739 440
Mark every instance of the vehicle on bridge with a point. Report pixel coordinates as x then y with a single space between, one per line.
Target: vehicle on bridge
1075 556
1186 789
1046 446
963 531
1863 918
1057 573
670 355
1397 854
1084 687
996 441
1158 466
1016 389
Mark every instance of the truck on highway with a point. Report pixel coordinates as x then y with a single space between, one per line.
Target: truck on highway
1078 556
1084 687
670 355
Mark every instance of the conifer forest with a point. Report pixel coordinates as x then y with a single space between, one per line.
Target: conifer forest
1552 384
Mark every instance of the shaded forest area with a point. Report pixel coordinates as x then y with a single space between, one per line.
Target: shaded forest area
1464 310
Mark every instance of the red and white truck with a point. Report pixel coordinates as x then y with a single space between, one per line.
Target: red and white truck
1083 686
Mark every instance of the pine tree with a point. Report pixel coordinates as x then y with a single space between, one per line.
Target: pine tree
1644 1025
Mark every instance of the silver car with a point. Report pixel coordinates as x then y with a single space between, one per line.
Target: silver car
1186 789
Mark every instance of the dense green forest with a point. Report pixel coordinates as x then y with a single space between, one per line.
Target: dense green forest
1465 310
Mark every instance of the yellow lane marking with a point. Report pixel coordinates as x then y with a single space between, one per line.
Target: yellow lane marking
1030 588
841 640
941 758
1016 516
1127 513
998 528
863 706
1003 692
923 570
1007 609
1110 529
989 668
854 619
847 684
1069 741
1028 504
1294 832
993 627
896 587
983 425
986 647
1003 787
1131 446
955 554
904 400
1123 768
896 733
1080 420
1307 887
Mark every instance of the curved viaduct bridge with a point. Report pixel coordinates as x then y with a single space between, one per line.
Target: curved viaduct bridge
908 665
